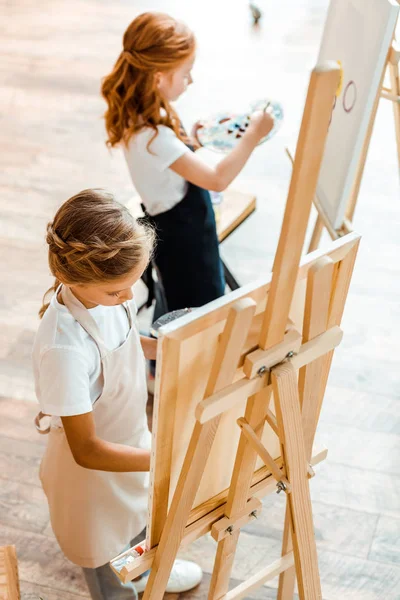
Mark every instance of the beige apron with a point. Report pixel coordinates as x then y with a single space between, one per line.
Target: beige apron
94 514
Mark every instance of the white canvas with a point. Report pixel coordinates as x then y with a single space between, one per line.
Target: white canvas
358 33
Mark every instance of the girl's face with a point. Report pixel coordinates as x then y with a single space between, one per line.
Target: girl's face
172 84
109 293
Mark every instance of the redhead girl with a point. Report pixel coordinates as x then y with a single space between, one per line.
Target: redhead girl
151 72
89 368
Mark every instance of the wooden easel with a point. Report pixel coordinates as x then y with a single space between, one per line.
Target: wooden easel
263 366
9 583
270 366
392 94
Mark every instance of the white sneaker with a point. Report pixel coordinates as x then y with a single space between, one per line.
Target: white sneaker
185 575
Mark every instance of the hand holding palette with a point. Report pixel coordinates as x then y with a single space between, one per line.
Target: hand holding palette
221 131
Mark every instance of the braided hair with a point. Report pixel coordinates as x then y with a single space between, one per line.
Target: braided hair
153 42
93 239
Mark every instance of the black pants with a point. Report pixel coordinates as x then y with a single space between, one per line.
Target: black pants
187 253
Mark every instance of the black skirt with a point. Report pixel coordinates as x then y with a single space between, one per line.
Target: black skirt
187 254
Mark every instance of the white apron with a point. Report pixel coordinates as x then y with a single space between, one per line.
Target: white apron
94 514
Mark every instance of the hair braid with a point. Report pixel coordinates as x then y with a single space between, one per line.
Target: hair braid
92 239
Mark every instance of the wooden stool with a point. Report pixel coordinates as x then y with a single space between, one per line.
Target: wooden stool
9 583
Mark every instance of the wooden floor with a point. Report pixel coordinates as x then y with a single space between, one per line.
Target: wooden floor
53 55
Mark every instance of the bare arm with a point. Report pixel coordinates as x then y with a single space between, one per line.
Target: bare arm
149 346
217 178
91 452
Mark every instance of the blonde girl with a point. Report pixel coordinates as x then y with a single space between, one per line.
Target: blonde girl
152 70
89 368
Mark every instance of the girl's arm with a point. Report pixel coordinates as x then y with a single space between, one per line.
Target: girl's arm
217 178
149 346
91 452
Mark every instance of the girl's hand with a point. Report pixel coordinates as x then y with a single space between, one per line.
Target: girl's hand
196 144
193 169
149 346
260 124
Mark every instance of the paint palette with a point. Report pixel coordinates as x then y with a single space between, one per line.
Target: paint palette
221 131
164 319
125 559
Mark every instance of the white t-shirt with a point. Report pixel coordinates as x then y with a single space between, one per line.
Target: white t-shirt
158 186
66 360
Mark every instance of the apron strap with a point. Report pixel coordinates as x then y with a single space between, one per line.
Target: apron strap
86 321
84 318
128 314
38 425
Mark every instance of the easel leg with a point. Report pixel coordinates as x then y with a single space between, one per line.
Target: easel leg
316 235
287 404
316 315
230 280
287 579
189 481
238 494
319 285
227 357
395 85
342 278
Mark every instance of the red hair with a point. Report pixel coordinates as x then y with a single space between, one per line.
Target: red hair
153 42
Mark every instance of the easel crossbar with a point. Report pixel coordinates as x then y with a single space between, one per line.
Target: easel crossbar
226 526
263 453
253 583
204 524
244 388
